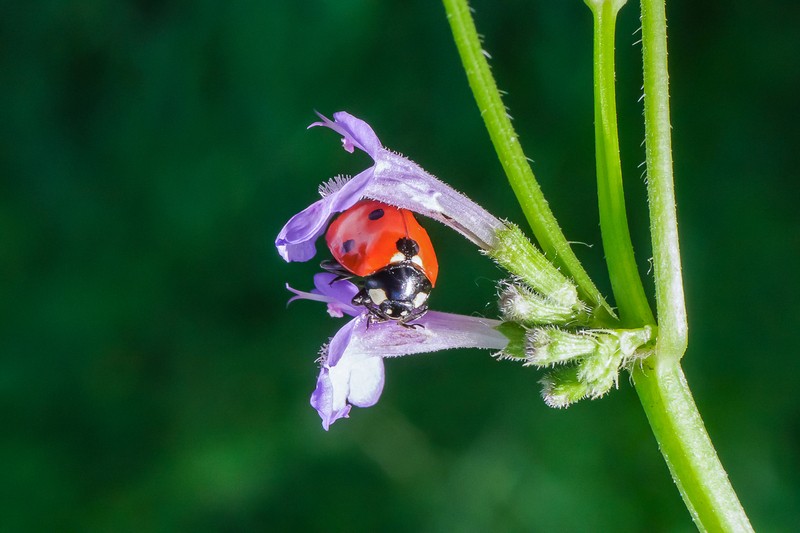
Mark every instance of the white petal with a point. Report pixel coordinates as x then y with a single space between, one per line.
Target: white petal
366 382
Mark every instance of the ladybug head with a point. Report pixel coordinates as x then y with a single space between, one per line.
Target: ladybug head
396 292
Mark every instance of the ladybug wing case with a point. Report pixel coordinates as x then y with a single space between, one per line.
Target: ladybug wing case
364 239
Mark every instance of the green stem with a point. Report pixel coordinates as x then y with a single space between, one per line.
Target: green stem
670 307
506 144
687 449
660 383
626 283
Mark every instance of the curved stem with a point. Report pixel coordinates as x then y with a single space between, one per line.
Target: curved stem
687 448
670 307
661 385
626 283
506 144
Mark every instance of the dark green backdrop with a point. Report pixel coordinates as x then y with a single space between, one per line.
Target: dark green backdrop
152 378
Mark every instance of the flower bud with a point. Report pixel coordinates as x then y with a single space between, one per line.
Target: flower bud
561 387
518 303
514 252
598 357
600 371
550 346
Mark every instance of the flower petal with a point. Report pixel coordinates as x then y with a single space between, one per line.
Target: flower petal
394 180
337 293
366 382
333 384
341 341
322 399
337 289
400 182
352 371
354 131
439 331
295 242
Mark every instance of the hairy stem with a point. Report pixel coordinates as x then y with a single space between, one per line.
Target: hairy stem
660 383
687 448
634 310
670 307
515 164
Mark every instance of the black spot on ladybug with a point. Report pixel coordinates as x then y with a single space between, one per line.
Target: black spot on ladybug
375 214
348 245
407 247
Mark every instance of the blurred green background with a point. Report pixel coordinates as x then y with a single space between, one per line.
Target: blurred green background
153 378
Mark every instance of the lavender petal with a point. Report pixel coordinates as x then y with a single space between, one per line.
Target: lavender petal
322 399
354 131
296 240
439 331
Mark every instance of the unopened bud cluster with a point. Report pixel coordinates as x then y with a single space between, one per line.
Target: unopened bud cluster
583 363
594 360
549 326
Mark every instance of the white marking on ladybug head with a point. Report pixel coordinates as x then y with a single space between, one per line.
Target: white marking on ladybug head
417 260
403 312
397 258
377 296
419 299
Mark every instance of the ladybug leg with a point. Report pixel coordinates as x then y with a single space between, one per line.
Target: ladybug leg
329 265
374 318
360 298
413 315
376 314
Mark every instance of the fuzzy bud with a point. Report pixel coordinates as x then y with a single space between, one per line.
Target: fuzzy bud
514 252
550 346
600 372
518 303
561 387
598 357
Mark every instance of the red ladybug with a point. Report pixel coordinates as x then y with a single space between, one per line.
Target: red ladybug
387 247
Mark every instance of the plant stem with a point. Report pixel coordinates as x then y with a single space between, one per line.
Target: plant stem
670 307
660 383
687 448
634 309
506 144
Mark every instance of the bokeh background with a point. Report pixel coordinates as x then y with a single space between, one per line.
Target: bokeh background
154 380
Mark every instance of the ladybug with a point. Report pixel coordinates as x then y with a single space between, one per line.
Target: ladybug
393 254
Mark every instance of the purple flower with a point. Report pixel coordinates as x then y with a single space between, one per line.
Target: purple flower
392 179
351 370
337 293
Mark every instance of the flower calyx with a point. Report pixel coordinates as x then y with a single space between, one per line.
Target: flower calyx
583 363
